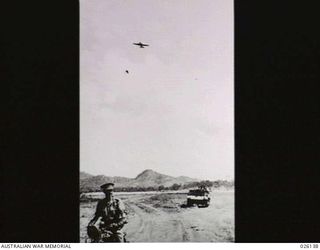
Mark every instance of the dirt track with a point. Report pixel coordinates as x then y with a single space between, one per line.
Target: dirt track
160 218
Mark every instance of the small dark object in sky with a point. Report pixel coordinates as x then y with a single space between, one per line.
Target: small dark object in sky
142 45
127 71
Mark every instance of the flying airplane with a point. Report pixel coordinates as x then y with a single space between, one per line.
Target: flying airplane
141 44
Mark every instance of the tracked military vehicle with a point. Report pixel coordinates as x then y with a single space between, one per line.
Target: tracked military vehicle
199 197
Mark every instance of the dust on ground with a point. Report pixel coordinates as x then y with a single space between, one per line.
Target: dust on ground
161 217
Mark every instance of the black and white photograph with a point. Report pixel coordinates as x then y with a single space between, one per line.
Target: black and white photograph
156 121
188 123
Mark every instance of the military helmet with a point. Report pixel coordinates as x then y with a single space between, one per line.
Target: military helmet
107 186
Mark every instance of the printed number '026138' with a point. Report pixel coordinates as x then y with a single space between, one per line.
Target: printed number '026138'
309 245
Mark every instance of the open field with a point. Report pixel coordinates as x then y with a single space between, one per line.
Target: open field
159 217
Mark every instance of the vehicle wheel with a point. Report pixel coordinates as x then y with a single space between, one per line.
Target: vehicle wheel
189 203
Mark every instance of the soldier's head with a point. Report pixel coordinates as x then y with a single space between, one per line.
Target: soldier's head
107 189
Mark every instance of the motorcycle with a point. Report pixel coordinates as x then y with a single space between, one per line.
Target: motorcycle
101 235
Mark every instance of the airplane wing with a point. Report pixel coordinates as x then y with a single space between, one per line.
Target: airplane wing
140 44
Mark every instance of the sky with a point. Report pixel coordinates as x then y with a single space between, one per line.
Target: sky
174 112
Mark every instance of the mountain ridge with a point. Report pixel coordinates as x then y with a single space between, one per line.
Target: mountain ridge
147 178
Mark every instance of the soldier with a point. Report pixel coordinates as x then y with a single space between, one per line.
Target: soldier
113 217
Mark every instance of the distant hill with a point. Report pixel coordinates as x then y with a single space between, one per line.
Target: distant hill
93 183
184 179
84 175
148 178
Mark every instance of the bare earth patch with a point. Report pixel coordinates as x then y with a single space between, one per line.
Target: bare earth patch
161 217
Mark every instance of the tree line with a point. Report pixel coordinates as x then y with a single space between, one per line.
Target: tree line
174 187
